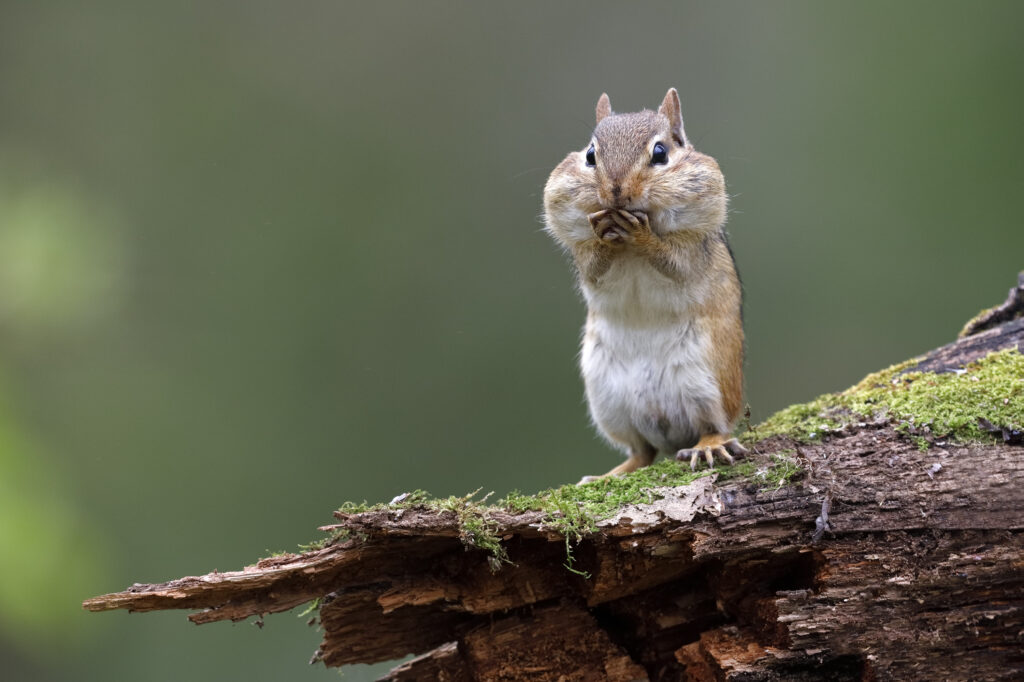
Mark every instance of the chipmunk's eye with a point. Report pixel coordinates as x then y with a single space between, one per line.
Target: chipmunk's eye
591 156
659 155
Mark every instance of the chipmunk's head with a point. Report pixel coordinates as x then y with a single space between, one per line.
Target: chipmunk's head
638 162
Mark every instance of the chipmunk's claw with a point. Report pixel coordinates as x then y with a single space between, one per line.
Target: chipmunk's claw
634 221
615 234
633 224
735 447
607 228
712 447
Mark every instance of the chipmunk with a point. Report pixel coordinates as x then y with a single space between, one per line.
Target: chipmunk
642 213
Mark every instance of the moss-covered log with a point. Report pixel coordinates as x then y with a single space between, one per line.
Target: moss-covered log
874 534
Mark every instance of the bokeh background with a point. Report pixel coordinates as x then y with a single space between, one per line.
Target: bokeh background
259 258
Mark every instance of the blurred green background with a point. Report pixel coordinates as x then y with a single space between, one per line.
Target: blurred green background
258 258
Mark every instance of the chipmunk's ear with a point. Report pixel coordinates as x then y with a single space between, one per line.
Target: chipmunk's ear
671 109
604 107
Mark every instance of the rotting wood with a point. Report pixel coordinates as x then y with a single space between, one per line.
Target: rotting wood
917 574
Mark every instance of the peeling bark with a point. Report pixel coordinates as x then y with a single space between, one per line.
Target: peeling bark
883 562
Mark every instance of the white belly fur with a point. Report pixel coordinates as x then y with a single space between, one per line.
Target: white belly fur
645 361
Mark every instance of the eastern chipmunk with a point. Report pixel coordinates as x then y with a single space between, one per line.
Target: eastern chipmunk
642 213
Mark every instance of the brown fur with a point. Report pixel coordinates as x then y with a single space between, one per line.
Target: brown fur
722 315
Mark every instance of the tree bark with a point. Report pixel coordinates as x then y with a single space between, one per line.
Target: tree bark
883 562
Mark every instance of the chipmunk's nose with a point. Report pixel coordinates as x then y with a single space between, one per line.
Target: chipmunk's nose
619 198
617 192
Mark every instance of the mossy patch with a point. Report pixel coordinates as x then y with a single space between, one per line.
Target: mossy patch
476 527
573 511
781 470
923 405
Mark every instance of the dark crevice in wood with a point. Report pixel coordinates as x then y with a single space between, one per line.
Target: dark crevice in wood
654 624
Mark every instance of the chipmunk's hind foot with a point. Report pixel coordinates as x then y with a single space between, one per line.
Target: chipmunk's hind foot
711 446
637 459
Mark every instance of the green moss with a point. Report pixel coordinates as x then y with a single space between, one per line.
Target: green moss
570 510
782 470
574 510
803 423
476 528
921 404
336 535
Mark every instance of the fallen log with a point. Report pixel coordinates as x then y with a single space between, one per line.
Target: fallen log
869 537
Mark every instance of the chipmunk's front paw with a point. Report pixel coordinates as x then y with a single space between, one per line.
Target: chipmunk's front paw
636 224
711 446
619 226
605 227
